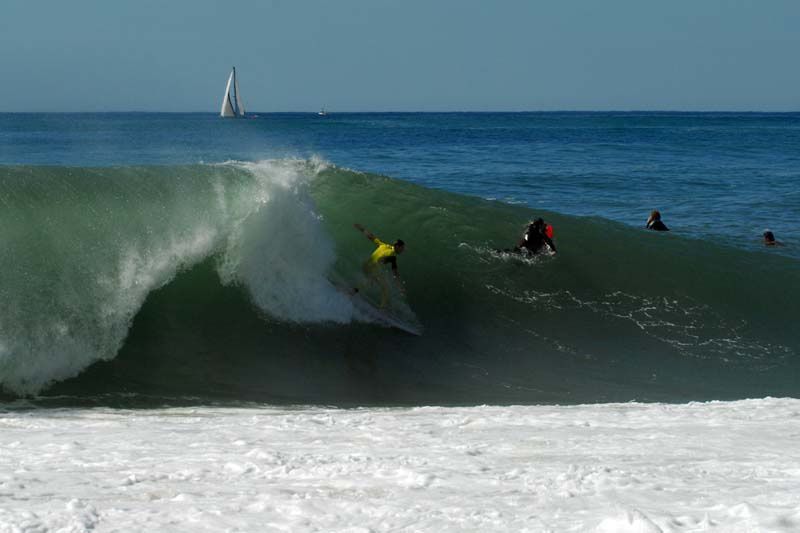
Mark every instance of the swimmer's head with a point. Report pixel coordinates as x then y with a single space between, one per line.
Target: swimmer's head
399 246
769 237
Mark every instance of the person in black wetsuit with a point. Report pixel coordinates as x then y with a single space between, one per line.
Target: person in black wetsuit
535 239
654 222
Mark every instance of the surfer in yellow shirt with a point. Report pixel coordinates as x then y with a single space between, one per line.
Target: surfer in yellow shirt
383 254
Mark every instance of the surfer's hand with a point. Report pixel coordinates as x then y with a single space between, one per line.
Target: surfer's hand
359 227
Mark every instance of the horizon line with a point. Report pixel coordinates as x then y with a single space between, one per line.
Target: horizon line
663 111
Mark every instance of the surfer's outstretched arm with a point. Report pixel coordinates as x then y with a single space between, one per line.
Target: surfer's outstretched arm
365 231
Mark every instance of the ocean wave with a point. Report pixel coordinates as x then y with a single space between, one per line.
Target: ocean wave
85 247
218 275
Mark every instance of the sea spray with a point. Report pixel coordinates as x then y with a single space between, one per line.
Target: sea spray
83 249
282 254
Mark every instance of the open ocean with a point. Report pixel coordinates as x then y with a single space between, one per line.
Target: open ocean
167 307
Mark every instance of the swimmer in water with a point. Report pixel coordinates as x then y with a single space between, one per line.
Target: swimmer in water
654 222
769 239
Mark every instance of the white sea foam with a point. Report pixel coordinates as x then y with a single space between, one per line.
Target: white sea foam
281 253
719 466
693 329
70 298
487 254
57 323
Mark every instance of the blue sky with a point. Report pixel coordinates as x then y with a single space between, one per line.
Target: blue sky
373 55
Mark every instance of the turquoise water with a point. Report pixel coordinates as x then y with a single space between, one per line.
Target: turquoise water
185 256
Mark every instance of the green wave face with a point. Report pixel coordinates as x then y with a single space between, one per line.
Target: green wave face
214 280
617 309
85 247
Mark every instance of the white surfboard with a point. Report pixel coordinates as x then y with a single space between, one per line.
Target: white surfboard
377 315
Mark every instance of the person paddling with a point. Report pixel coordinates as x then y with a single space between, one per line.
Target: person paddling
536 236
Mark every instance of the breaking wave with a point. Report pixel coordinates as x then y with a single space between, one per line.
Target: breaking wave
214 280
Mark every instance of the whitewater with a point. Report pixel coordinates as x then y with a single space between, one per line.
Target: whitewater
175 357
638 468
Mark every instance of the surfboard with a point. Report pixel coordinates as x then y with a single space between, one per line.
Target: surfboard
376 314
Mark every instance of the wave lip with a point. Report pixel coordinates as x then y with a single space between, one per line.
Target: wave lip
85 248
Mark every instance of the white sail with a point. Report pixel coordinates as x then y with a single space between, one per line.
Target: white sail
239 103
227 105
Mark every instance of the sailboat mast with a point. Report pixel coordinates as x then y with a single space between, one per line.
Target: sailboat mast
239 103
235 94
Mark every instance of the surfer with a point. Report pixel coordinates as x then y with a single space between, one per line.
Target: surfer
654 222
537 238
382 255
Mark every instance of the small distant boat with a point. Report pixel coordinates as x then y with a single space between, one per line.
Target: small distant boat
232 105
322 112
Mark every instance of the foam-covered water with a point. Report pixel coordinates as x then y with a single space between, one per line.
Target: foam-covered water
621 468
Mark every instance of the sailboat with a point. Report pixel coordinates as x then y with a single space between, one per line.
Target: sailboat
232 105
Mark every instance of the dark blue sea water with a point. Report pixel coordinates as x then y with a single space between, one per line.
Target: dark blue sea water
183 255
719 176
